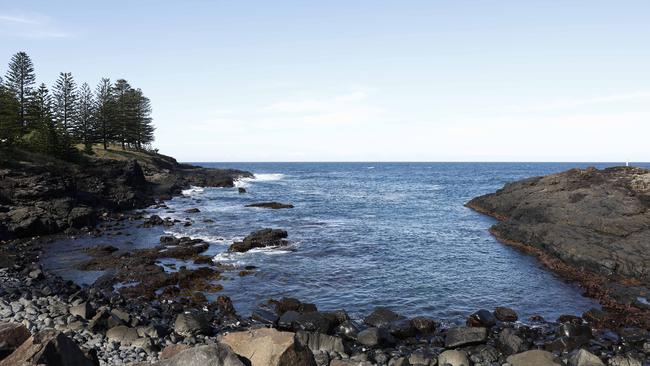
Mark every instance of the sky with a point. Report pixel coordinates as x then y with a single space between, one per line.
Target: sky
361 80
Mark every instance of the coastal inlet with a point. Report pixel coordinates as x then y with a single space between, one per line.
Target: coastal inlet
360 235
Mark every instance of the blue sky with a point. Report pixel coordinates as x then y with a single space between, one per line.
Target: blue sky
361 80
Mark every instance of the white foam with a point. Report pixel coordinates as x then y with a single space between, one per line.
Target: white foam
192 191
261 177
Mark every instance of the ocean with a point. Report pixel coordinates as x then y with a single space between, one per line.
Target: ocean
368 234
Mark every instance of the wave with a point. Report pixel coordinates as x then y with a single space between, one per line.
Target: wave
260 177
192 191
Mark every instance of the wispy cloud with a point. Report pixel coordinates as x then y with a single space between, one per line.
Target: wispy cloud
34 26
569 103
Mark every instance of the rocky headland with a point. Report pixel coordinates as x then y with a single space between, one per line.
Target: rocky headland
139 313
41 195
591 226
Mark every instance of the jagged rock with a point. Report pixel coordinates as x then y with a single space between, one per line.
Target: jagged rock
584 358
269 347
534 357
191 324
481 318
12 335
123 334
213 355
381 317
373 337
173 349
423 325
463 336
47 348
83 310
453 358
320 342
510 343
261 239
505 314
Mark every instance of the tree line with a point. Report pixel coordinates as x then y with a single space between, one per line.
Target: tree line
54 121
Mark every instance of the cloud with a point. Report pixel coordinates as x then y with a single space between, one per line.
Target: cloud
583 102
33 26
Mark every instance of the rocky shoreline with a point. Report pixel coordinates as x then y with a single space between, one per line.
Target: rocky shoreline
139 313
588 225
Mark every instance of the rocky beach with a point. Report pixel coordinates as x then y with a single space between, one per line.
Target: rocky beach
139 312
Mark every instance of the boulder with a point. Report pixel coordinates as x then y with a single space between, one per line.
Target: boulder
213 355
320 342
261 239
381 317
83 310
12 335
510 343
464 336
505 314
348 330
192 323
534 357
453 358
173 349
192 210
312 322
269 347
481 318
423 325
401 329
584 358
48 348
123 334
374 337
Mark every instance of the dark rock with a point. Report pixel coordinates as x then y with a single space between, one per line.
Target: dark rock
348 330
423 325
264 316
319 342
505 314
381 317
312 322
101 250
481 318
271 205
463 336
169 240
574 330
241 190
12 335
374 337
286 304
510 343
287 320
569 319
47 348
401 329
261 239
192 210
192 323
225 305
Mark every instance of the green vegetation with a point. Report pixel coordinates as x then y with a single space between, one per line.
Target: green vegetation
54 123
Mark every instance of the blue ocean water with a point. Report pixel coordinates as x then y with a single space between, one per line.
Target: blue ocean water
375 234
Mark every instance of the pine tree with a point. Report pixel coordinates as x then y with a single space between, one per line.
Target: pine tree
48 135
105 112
9 116
123 111
20 80
144 130
66 108
85 129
